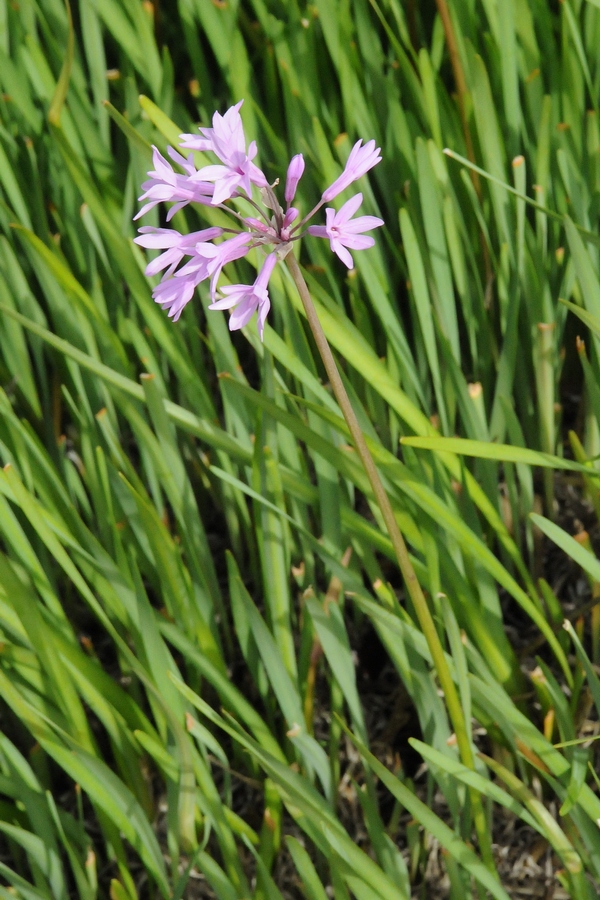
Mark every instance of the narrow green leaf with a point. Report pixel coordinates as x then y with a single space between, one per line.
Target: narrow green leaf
571 547
128 130
40 855
311 884
62 85
491 450
423 304
111 795
420 811
592 321
329 625
553 832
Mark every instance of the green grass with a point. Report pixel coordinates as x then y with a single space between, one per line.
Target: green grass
177 503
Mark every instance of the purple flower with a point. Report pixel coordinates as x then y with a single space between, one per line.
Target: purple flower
343 232
208 259
294 174
175 245
227 141
174 294
166 185
226 134
187 260
176 288
361 159
248 299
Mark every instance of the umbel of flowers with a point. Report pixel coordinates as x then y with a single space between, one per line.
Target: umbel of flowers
189 259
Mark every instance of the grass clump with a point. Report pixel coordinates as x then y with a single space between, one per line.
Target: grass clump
199 606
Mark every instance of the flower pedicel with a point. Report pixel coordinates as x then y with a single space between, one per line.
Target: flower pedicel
233 177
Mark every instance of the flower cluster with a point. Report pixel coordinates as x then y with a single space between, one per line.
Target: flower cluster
189 259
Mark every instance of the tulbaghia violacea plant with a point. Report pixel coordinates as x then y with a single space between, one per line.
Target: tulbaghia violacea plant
189 259
209 250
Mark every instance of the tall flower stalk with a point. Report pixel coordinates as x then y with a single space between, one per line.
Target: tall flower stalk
409 575
207 252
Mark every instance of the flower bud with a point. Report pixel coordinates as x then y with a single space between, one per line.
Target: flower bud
257 225
294 174
361 159
290 216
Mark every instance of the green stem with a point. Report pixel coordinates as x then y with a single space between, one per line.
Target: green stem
406 567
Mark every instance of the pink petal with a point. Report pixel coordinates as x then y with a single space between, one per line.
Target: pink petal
195 142
257 176
157 238
242 315
225 187
233 299
211 173
363 223
145 209
348 209
357 241
353 154
263 312
175 209
318 231
342 253
163 261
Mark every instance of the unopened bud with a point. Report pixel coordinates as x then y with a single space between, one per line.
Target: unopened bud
290 216
294 174
257 225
